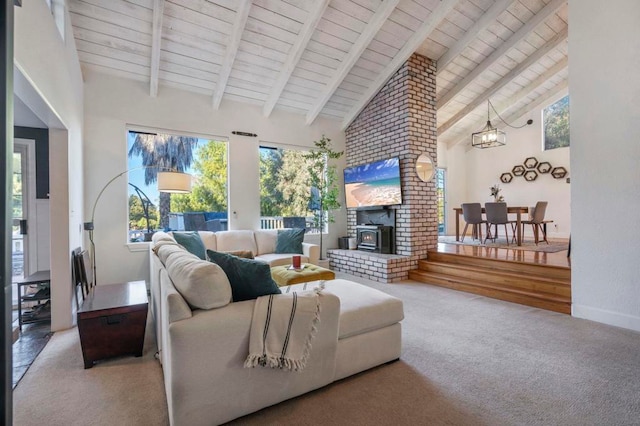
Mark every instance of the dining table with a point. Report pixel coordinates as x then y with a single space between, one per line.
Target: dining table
517 210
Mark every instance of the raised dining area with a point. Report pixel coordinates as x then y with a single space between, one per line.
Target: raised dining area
534 272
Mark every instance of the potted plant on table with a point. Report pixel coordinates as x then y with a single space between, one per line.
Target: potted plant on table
323 197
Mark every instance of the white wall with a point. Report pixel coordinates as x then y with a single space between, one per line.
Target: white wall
50 84
112 103
472 172
604 41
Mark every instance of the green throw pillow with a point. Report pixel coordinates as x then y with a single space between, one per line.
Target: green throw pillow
249 278
192 242
290 240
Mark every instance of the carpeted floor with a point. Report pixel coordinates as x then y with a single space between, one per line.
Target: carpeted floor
554 246
466 360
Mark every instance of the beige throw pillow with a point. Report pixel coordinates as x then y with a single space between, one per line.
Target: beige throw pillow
165 250
204 285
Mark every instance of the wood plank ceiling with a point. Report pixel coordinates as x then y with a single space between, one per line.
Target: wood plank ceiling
330 57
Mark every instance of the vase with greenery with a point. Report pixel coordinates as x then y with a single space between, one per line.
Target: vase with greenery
323 196
495 193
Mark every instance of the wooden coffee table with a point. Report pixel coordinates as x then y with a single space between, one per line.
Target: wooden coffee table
112 321
282 275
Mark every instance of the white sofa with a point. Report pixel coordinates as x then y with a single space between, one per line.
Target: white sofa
202 351
261 243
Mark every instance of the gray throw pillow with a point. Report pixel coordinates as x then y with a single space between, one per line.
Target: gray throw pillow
192 242
249 278
290 240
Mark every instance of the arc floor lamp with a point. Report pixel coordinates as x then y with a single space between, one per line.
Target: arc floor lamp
168 181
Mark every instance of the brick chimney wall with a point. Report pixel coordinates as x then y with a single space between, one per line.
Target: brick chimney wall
400 121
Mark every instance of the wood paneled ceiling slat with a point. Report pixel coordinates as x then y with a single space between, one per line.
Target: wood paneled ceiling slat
505 47
156 40
321 58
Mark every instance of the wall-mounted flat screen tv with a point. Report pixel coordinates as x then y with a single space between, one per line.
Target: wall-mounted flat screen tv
373 184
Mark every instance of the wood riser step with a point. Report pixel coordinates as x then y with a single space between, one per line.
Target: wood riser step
550 272
528 282
542 301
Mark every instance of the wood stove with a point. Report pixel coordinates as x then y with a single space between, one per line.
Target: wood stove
375 238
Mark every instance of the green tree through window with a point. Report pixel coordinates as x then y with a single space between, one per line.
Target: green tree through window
284 191
205 160
556 124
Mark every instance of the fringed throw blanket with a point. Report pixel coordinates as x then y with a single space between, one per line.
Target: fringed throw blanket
282 328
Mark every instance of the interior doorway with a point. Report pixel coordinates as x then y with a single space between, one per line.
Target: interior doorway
24 230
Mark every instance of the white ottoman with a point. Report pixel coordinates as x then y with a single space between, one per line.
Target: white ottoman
369 332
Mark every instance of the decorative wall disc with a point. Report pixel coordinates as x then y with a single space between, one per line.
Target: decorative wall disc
530 175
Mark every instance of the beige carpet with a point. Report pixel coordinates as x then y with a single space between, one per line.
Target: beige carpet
57 390
554 246
466 360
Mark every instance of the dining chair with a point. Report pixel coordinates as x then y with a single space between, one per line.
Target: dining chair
538 222
82 274
472 214
497 215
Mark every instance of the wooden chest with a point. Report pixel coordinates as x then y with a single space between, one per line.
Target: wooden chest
112 321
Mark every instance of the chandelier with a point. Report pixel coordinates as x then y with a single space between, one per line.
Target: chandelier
490 136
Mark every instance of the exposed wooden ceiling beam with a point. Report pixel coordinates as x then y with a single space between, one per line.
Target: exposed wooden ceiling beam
540 102
409 48
242 14
509 44
483 22
519 69
370 31
294 55
156 40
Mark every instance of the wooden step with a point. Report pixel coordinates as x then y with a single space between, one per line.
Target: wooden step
540 300
549 271
541 286
530 282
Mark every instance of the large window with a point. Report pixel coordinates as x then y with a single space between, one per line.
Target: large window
440 198
555 119
205 208
284 191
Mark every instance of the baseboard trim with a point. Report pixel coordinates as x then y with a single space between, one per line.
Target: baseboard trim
607 317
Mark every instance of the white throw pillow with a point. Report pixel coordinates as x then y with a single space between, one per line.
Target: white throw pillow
203 284
266 240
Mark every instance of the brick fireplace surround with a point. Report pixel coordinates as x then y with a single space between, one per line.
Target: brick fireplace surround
400 121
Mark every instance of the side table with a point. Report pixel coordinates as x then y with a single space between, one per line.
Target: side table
112 321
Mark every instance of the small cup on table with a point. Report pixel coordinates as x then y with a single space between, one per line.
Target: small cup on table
296 261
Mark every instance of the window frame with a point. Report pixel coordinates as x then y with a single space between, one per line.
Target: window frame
291 147
543 122
143 245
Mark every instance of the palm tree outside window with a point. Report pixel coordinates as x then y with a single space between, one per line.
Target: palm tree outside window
205 159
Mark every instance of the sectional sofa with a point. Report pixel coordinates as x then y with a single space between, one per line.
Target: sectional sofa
202 351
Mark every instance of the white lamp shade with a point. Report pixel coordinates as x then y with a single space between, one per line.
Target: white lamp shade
175 182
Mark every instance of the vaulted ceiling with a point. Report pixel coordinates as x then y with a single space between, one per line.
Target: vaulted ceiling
330 57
